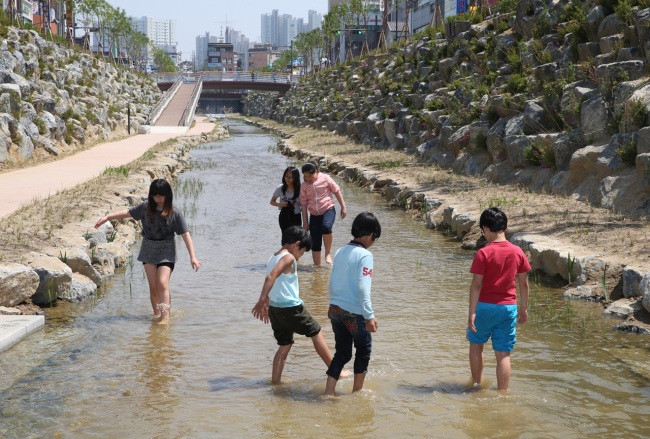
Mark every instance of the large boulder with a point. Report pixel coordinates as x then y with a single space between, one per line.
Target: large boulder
644 288
55 277
593 119
78 260
80 289
593 20
17 284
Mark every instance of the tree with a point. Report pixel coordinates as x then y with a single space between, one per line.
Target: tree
162 61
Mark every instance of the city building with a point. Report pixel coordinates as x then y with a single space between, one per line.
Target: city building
280 30
222 57
201 55
161 33
240 44
314 20
262 55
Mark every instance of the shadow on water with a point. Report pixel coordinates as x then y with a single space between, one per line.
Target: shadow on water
252 267
228 383
455 388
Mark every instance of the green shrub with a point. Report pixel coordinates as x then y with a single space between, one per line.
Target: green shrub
507 6
513 57
435 104
69 114
624 11
42 127
481 141
627 152
540 154
542 55
121 170
543 25
637 113
517 83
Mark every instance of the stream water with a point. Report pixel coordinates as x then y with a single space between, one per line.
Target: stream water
102 368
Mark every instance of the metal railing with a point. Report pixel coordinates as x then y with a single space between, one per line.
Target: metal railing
281 78
188 113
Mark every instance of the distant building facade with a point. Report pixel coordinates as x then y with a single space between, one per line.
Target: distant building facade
222 57
262 55
161 33
280 30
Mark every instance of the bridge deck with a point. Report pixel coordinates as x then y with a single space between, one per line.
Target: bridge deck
173 113
231 81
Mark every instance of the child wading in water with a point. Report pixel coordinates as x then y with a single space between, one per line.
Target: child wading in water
160 221
318 212
350 309
280 301
493 297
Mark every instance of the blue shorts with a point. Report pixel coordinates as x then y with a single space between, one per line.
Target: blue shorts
320 225
498 322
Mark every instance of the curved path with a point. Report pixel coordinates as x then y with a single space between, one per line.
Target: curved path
22 186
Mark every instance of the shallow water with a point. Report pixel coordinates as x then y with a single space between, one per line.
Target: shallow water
103 369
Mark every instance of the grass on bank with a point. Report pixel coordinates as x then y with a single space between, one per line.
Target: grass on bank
34 226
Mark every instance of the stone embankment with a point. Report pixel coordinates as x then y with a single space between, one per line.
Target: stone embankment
75 260
553 96
589 275
55 100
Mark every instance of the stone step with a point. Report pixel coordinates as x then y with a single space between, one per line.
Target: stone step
15 328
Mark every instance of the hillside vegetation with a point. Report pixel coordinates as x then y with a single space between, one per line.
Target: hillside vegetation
549 95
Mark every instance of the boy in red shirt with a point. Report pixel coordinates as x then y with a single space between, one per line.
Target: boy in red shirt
493 297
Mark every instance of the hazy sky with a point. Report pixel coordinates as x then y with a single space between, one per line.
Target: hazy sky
196 17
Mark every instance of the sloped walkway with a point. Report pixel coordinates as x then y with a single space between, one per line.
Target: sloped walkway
22 186
173 112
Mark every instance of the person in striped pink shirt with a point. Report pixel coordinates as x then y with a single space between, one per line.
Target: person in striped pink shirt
316 199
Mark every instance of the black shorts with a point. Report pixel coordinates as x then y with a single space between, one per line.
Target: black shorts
287 321
163 264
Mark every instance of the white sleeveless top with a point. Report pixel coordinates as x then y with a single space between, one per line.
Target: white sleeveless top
285 292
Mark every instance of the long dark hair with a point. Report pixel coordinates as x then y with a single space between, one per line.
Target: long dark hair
296 181
160 186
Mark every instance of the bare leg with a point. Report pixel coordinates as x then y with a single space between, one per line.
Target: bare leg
324 352
327 243
278 363
321 348
316 256
163 294
152 278
359 378
503 369
476 362
330 386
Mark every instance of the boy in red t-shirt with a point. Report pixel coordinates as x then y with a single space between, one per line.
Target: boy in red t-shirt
493 297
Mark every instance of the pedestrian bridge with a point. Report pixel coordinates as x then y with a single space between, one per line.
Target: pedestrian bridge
184 90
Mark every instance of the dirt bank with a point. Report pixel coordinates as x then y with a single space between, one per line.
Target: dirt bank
562 223
65 220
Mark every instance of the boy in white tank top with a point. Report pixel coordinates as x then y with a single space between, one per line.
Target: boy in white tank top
280 301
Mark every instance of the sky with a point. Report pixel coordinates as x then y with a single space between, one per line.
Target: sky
196 17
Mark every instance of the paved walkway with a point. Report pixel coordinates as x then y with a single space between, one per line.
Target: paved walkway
21 186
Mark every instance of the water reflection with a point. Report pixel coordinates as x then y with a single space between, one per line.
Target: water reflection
160 362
